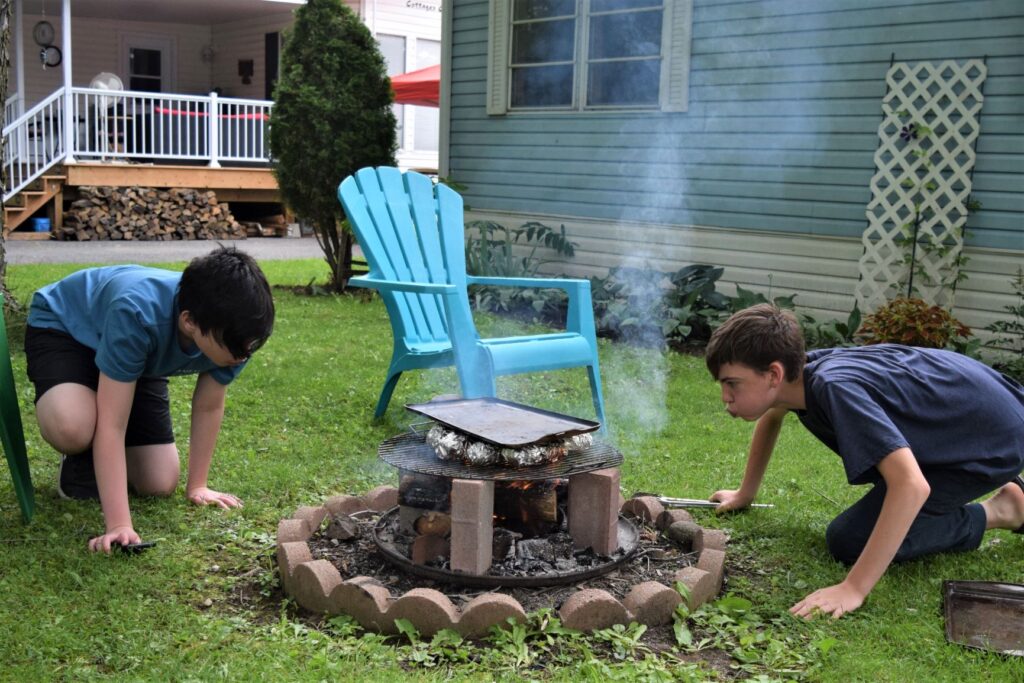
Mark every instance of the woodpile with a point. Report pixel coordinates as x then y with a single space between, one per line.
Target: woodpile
145 213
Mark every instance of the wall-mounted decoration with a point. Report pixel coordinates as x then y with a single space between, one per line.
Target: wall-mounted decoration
50 56
43 33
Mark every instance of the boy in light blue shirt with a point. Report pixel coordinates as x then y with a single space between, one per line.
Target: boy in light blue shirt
100 345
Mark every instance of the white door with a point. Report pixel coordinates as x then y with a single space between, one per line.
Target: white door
147 62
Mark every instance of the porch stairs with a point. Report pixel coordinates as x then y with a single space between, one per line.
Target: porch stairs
48 187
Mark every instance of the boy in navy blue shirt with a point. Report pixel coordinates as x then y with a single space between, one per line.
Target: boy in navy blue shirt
931 430
100 345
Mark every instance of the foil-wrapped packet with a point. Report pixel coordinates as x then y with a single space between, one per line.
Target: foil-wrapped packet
480 453
579 442
447 444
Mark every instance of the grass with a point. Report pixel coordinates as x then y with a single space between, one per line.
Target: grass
204 604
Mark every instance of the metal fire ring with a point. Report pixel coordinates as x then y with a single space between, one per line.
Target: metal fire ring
629 541
410 452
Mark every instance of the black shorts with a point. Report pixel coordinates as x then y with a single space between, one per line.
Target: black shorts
55 357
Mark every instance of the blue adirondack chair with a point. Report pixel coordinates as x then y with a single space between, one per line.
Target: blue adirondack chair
413 236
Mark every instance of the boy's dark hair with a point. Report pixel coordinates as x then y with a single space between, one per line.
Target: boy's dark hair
757 337
227 295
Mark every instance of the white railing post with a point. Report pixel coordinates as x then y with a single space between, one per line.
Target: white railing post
214 118
69 98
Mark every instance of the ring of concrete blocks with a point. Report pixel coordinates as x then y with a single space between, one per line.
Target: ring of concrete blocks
317 585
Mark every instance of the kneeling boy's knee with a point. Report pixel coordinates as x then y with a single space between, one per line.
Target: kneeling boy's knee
158 487
843 545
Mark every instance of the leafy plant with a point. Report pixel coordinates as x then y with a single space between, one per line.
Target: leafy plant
492 250
830 333
1011 332
651 308
915 323
332 116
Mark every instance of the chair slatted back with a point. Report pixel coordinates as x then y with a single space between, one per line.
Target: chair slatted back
410 231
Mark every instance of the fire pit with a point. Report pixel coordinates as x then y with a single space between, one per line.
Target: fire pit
504 527
457 523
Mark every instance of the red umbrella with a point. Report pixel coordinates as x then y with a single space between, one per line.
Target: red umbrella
420 87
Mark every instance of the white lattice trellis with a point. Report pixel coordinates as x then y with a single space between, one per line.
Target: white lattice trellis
923 164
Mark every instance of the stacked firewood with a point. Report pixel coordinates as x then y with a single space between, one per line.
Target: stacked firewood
145 213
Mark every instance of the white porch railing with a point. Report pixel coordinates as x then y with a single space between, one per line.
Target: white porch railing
33 142
124 125
12 108
161 126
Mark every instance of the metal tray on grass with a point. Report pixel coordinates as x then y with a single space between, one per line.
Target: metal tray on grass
985 614
503 423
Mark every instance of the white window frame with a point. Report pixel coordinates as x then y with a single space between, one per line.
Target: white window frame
674 86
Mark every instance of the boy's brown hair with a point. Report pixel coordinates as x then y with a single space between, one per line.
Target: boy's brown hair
757 337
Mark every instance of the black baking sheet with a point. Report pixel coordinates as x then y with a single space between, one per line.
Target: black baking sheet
503 423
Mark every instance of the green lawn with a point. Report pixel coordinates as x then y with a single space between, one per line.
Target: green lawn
204 605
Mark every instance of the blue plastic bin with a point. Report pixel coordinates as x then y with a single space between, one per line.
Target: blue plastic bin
40 224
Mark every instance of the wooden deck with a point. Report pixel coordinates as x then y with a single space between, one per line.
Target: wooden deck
231 184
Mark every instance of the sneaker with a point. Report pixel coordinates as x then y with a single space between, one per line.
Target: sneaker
76 478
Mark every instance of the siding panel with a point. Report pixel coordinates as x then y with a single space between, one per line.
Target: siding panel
785 101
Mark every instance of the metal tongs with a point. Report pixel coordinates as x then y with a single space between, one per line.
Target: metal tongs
698 503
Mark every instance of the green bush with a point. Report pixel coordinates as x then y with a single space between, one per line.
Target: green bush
331 117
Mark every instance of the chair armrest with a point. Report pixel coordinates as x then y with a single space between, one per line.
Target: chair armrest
566 284
397 286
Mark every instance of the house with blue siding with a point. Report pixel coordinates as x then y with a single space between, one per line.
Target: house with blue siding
737 133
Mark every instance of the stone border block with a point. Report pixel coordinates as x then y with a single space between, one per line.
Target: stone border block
652 603
428 610
293 530
713 562
591 609
699 583
670 517
314 516
487 610
381 498
289 556
365 600
645 508
345 505
712 539
313 582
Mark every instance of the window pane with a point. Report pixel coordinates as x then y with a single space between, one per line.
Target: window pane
428 52
542 86
627 83
537 9
545 41
392 48
427 130
633 34
605 5
145 62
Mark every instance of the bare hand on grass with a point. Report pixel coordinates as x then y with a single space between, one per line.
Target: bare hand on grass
207 496
835 601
